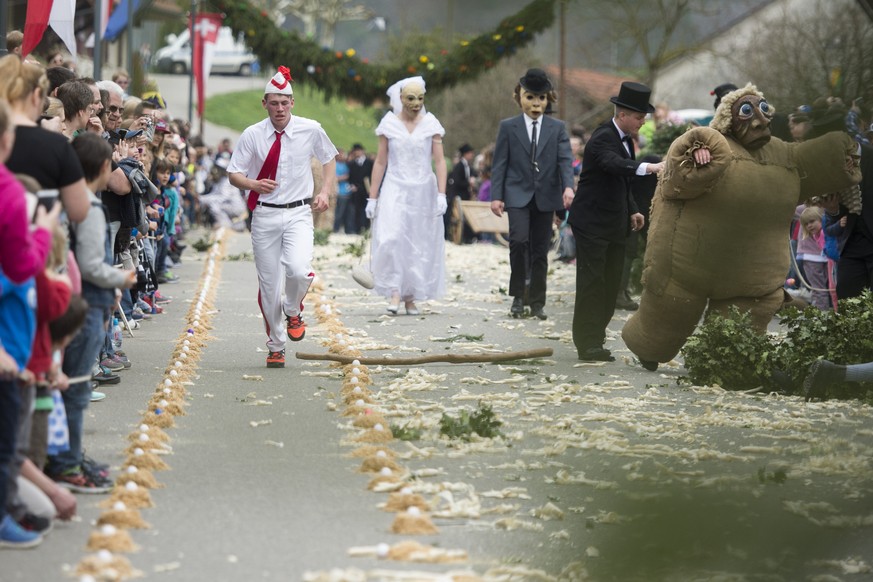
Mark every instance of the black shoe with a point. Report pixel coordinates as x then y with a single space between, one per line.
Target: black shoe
822 375
36 523
517 309
623 301
650 365
537 311
105 376
596 355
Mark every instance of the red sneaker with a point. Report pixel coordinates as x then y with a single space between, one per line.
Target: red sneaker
276 359
296 327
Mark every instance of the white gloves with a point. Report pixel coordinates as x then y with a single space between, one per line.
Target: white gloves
442 204
370 210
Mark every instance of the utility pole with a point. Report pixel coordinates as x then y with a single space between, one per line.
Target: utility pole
562 61
98 39
192 36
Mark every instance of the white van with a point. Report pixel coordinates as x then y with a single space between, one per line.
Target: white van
231 55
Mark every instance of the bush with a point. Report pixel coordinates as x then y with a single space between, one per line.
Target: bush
728 352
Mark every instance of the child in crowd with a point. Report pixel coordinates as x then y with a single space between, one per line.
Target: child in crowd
168 205
810 249
53 291
100 280
43 497
23 253
834 221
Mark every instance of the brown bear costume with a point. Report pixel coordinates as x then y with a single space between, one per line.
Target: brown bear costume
718 233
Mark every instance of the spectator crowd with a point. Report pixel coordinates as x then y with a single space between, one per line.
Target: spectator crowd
99 188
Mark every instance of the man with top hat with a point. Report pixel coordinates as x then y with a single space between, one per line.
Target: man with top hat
271 163
603 214
458 187
531 179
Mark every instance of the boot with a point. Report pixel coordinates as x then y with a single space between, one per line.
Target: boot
822 375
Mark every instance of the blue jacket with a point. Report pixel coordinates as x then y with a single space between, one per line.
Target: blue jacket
17 318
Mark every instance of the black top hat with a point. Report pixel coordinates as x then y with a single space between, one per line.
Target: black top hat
721 91
634 96
465 149
536 81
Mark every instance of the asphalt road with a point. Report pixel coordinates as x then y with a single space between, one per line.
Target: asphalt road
604 473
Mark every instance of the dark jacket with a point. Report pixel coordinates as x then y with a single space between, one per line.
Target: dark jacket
603 203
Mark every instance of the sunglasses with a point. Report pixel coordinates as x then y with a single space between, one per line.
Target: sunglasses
114 109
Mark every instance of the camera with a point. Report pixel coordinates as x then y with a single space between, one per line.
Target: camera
149 130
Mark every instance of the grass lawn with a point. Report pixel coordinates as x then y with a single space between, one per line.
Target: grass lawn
344 123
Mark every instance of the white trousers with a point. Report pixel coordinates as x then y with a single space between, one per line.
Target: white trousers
282 240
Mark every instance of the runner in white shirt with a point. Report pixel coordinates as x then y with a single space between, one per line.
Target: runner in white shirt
279 180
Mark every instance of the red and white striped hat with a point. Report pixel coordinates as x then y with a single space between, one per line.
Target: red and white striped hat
280 83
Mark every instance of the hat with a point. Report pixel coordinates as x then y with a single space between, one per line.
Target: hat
154 99
465 149
161 126
127 133
222 160
280 83
721 91
536 81
634 96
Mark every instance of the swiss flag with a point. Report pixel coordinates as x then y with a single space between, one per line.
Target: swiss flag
205 35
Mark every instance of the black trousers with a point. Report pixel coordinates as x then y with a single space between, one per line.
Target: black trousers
530 237
599 265
854 274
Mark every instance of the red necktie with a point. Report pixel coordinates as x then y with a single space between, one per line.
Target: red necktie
268 170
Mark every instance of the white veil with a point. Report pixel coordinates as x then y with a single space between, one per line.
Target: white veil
395 89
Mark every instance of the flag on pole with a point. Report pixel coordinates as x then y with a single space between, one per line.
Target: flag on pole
105 11
206 28
35 23
43 13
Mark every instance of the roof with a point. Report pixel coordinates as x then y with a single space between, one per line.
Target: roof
596 85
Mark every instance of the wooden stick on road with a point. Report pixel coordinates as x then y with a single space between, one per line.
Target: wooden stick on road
448 358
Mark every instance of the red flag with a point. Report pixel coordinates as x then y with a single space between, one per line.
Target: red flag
35 23
205 34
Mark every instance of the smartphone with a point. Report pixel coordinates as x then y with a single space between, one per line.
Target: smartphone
47 198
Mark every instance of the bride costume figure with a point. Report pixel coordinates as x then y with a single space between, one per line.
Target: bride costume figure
408 252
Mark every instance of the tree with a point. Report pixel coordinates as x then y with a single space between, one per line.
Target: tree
825 49
327 13
652 33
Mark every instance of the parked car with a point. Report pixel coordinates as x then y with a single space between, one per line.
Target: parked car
231 55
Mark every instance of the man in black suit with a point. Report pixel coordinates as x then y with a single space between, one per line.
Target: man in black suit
531 178
855 267
603 214
458 186
360 169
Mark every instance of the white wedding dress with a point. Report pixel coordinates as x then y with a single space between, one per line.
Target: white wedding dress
408 253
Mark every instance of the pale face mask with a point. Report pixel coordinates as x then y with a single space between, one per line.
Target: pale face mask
533 104
412 98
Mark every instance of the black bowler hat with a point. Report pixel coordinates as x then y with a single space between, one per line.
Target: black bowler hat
536 81
634 96
466 148
721 91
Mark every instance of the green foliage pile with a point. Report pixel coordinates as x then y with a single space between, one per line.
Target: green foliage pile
728 352
482 422
321 236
